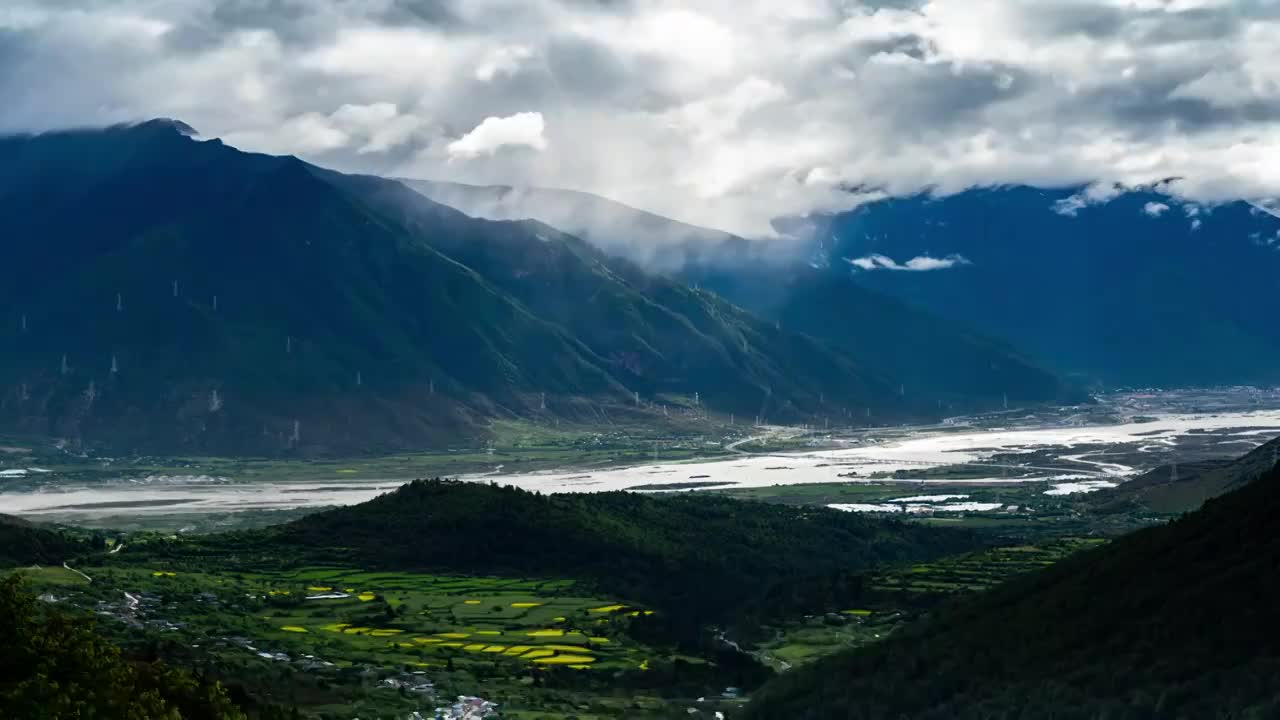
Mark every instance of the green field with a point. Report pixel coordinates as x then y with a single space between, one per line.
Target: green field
340 642
899 595
980 570
537 646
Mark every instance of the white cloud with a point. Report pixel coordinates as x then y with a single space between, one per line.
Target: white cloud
1070 206
494 133
1155 209
381 125
503 61
920 263
375 128
1270 207
1095 194
925 263
726 113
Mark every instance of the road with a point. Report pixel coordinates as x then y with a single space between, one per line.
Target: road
86 577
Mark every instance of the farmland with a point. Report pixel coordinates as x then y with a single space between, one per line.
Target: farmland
338 641
333 641
897 595
542 604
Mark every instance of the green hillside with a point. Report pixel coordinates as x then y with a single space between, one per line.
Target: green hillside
701 558
654 334
1177 621
930 359
936 359
179 295
24 543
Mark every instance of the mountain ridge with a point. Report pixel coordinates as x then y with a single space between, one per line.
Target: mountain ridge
1127 287
947 365
188 295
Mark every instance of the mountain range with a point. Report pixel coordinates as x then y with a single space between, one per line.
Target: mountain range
944 363
654 242
162 292
1121 287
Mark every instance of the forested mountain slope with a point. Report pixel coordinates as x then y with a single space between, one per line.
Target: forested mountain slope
930 360
1177 621
165 293
1126 286
57 666
24 543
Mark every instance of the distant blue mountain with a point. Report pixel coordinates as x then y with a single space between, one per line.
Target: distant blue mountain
1137 289
939 363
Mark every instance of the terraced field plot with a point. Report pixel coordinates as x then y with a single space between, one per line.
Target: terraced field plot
980 570
899 595
406 619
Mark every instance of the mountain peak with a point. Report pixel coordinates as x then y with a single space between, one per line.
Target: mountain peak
165 125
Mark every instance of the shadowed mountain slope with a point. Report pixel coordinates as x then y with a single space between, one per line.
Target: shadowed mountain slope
1177 621
166 293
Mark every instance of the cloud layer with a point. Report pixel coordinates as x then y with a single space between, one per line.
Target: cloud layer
723 112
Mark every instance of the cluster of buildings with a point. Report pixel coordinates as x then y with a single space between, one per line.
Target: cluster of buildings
466 708
415 683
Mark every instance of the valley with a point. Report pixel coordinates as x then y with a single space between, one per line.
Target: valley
331 588
565 360
1008 466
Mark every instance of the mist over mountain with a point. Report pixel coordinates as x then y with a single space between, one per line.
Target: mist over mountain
164 292
1113 286
1124 287
657 243
935 362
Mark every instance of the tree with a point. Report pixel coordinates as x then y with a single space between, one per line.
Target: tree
54 667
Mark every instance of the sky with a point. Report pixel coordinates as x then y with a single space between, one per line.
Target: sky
725 113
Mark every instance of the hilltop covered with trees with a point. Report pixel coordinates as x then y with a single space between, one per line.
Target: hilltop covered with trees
702 558
24 543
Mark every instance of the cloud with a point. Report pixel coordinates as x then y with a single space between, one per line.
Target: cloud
373 128
1155 209
920 263
503 61
1268 206
1095 194
519 130
725 113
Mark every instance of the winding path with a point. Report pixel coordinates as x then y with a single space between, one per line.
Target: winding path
68 567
